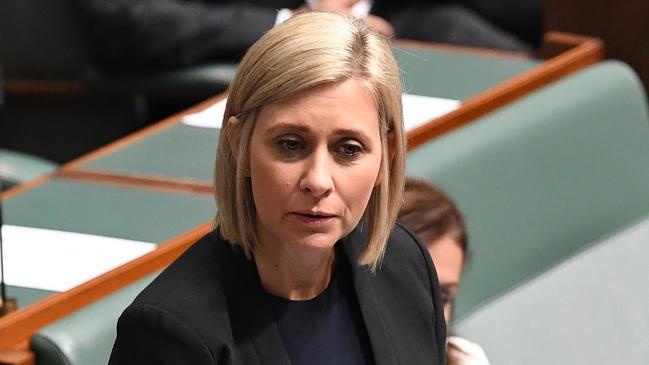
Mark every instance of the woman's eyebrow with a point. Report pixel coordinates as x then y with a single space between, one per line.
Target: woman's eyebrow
282 126
356 133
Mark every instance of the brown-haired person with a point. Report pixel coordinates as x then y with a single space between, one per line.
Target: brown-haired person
306 264
433 216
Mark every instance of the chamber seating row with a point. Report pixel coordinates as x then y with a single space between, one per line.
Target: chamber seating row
555 190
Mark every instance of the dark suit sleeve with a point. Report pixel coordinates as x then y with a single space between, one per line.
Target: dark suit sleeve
428 275
131 35
438 305
150 335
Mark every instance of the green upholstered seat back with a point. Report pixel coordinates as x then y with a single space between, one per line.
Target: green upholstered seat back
542 178
591 309
17 168
85 337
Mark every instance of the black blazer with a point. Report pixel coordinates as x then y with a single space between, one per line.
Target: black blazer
209 307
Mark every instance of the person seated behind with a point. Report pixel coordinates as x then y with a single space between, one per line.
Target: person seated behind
432 215
306 264
127 36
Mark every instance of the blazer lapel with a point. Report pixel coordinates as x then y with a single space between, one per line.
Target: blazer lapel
253 314
369 302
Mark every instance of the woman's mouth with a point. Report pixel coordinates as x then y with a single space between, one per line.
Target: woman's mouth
314 217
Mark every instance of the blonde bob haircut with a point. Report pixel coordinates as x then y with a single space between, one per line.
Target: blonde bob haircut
309 50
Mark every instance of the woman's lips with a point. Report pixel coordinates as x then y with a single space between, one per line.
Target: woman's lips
314 218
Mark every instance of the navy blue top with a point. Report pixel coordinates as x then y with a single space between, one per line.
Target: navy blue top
327 329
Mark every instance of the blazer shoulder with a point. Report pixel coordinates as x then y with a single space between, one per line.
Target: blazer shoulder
198 261
193 289
404 247
148 334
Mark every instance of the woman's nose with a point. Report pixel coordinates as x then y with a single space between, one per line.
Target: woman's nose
317 178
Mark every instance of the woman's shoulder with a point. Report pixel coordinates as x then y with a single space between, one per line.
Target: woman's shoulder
194 284
404 250
405 260
185 307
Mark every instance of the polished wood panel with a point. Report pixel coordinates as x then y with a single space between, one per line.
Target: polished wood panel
17 355
621 25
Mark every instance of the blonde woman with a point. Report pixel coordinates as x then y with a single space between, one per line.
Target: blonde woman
305 264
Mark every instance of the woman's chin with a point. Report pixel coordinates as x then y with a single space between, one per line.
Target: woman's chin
316 242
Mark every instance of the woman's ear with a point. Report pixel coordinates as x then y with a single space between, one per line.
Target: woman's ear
233 130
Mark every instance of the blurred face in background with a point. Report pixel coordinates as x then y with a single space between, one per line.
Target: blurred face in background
449 259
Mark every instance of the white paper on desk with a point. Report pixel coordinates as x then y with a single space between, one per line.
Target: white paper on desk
210 117
57 260
417 110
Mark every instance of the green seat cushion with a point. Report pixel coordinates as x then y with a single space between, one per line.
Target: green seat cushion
85 337
17 167
590 309
544 177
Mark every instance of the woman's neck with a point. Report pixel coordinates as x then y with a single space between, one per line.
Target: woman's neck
295 275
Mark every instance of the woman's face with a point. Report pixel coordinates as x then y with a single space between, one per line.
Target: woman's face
448 258
314 161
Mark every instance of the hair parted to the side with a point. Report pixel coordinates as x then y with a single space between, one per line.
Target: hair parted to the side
309 50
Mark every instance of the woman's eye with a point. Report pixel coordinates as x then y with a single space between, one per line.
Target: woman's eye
351 149
290 145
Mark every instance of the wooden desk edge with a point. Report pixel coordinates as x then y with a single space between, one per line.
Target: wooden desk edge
18 355
138 181
20 325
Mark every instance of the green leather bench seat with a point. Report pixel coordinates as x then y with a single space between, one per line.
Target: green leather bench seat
17 168
544 177
86 336
591 309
